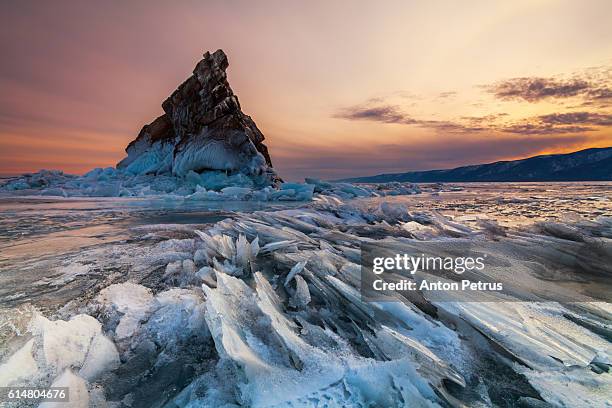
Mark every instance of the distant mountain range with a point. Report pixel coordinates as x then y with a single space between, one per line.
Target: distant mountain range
584 165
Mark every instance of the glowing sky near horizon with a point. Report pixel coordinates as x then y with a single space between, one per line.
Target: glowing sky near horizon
339 88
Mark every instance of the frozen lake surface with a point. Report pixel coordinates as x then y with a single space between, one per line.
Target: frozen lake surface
39 236
170 302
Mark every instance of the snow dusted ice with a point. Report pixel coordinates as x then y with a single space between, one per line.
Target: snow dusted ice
263 309
206 186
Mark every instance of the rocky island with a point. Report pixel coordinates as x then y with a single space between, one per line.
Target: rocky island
203 128
203 148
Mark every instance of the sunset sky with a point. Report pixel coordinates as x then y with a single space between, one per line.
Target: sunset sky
339 88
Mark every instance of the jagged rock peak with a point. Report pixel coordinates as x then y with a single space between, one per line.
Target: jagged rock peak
203 128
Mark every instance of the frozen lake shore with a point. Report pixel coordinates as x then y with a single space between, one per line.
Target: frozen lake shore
175 302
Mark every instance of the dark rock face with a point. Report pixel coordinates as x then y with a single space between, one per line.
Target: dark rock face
203 128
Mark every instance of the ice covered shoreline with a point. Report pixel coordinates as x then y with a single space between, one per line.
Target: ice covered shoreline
263 309
207 186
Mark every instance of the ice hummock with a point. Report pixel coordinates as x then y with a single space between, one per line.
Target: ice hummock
205 186
60 350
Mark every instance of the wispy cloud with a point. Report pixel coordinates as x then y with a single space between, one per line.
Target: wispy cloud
393 114
448 94
536 89
380 113
586 118
593 85
559 123
549 124
527 128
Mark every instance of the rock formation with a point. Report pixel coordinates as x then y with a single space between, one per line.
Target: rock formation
203 128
